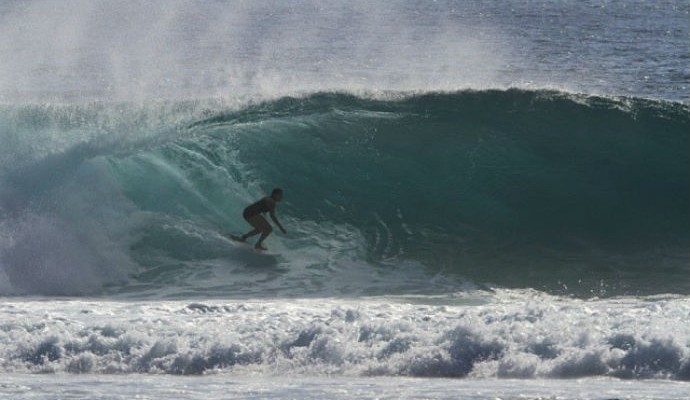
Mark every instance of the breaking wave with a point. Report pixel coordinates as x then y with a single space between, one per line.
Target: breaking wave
537 189
520 336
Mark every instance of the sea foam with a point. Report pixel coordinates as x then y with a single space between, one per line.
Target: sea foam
512 335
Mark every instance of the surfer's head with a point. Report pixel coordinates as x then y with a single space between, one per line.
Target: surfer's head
277 194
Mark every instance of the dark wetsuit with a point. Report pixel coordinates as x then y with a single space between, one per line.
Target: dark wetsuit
257 208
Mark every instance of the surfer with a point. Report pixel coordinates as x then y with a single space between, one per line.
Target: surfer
253 215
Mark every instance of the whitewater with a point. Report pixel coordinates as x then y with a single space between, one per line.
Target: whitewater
482 199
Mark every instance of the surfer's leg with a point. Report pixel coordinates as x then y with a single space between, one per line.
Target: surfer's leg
265 231
254 221
249 234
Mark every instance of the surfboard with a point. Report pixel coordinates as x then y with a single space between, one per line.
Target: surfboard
237 241
245 253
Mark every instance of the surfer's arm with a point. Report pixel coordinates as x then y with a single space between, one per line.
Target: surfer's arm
272 211
275 221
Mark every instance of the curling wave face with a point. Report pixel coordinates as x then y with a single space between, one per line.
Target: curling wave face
538 189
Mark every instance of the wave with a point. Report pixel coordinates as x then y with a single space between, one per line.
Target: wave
560 192
523 336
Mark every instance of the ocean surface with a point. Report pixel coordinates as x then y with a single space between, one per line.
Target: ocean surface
483 199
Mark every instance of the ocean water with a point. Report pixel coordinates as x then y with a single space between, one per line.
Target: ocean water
482 199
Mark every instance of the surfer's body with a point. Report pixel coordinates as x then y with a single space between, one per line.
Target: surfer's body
253 214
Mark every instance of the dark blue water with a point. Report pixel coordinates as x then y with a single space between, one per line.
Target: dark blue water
194 49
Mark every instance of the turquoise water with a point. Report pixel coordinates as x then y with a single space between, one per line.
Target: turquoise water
570 194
